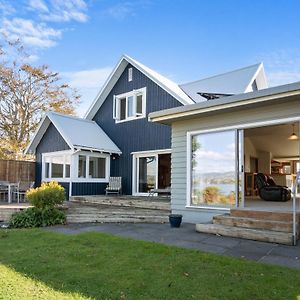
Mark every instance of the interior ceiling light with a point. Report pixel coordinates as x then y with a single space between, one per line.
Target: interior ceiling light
293 136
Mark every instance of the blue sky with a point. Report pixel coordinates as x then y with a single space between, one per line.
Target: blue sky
183 40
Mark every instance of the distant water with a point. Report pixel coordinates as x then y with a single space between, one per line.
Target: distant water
225 189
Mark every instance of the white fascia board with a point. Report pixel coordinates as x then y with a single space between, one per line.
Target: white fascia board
176 113
159 151
78 148
60 130
37 135
106 88
185 101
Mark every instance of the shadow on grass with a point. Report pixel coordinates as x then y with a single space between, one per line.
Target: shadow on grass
101 266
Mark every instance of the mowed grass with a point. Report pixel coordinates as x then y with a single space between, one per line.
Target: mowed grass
37 264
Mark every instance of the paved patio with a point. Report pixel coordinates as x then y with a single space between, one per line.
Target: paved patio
187 237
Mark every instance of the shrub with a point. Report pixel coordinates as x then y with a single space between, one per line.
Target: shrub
36 217
48 195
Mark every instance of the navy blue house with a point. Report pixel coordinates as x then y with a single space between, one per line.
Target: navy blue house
115 138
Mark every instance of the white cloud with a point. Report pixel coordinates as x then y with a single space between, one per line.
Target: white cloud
282 77
282 66
33 34
121 10
126 9
88 83
38 5
6 8
61 10
91 79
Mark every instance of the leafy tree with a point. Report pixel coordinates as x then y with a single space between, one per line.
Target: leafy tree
26 93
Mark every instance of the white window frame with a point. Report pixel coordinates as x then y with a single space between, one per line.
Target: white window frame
50 156
74 166
134 93
75 177
190 134
135 167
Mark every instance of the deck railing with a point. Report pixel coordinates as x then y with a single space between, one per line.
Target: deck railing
295 190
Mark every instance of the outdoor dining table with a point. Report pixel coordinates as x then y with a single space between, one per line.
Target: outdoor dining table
10 186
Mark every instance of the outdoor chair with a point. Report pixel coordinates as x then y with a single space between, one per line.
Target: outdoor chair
114 186
21 189
3 191
269 191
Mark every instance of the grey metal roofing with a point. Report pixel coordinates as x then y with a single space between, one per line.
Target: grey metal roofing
233 82
273 93
77 132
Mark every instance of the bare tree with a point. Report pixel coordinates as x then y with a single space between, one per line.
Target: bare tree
26 93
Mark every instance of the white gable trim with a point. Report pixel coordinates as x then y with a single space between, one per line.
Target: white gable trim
259 69
115 75
42 128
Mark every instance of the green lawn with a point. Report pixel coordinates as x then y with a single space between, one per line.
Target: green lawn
36 264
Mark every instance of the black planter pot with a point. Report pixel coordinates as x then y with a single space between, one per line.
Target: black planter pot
175 220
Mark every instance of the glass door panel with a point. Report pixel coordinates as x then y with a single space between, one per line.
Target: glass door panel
147 174
213 169
240 169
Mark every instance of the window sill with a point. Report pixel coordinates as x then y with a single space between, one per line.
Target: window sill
77 180
207 207
129 119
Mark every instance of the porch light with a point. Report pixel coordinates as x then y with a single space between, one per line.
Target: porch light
293 136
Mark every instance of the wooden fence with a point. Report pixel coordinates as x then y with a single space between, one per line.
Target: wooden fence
15 170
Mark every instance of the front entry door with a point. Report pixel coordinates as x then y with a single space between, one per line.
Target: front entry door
151 172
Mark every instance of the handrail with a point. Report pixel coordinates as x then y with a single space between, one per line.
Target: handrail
295 187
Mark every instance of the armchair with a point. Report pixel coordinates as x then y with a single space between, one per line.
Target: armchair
269 191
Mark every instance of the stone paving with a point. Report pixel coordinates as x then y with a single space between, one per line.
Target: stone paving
187 237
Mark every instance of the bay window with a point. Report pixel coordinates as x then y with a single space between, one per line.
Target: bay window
81 166
130 106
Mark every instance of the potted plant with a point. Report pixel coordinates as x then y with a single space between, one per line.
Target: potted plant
175 220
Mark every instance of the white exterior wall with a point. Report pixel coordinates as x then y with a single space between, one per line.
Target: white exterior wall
274 111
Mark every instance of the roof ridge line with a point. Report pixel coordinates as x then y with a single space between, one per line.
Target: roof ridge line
221 74
70 116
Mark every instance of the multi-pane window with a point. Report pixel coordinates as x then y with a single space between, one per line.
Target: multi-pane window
91 166
82 166
57 166
130 106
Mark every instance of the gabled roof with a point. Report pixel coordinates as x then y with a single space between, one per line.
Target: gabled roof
231 83
288 91
77 132
171 87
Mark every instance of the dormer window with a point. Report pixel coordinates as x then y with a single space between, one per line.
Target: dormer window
130 74
130 106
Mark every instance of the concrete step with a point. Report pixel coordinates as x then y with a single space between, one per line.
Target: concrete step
243 222
263 215
146 202
120 219
247 233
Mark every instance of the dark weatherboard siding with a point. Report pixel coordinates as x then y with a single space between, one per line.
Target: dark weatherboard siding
51 141
135 135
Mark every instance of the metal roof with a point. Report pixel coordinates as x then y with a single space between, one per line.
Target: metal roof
168 116
233 82
77 132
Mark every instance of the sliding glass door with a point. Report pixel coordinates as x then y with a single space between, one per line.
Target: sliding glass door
151 171
147 174
216 169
